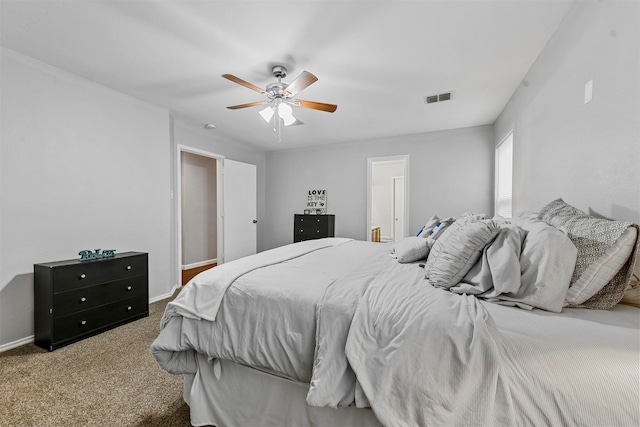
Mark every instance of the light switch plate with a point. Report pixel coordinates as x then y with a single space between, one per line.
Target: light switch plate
588 91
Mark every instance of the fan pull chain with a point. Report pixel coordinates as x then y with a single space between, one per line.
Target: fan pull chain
277 117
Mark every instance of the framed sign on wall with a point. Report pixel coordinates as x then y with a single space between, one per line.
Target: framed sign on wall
316 202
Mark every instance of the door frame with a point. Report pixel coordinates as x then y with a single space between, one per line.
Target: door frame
394 195
219 199
404 158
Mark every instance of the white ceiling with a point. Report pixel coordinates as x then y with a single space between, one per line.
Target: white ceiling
375 59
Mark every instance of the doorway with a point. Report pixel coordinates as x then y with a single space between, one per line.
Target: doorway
387 198
200 207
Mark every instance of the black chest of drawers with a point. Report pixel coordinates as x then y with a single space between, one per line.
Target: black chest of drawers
307 227
76 299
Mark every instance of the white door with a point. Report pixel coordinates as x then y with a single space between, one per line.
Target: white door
240 209
398 208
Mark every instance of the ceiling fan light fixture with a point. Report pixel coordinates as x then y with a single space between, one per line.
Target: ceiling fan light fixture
267 114
286 114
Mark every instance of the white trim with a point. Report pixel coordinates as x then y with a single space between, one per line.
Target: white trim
30 339
199 264
164 296
393 208
16 343
220 200
370 161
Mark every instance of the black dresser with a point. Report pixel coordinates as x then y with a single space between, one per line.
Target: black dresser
76 299
307 227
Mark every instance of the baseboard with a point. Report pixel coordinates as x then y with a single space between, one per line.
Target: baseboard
165 296
200 264
29 339
17 343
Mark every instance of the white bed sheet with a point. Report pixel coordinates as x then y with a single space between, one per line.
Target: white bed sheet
242 396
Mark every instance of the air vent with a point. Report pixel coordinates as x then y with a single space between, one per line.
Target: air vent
437 98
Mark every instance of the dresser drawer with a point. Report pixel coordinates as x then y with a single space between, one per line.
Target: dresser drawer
312 232
69 302
99 271
306 227
90 321
321 220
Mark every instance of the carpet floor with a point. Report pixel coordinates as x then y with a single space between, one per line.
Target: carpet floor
110 379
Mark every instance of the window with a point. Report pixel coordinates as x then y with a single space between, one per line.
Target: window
504 176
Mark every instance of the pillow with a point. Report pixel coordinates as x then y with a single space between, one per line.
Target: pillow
603 269
547 262
426 229
632 294
439 228
457 249
410 249
604 284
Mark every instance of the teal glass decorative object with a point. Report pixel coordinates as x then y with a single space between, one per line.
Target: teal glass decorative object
88 255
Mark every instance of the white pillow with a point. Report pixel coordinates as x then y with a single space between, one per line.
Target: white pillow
425 231
458 249
410 249
439 228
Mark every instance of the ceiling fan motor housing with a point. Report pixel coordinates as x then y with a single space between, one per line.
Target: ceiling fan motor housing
279 71
276 89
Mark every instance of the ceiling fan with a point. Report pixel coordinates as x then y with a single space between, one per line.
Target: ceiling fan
280 97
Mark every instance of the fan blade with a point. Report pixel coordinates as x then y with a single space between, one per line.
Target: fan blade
302 81
329 108
242 82
251 104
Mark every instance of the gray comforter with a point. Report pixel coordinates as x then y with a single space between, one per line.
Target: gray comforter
370 331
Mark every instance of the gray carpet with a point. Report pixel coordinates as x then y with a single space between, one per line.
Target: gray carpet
107 380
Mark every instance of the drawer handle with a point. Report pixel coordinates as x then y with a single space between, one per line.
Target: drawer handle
84 322
128 288
129 308
82 276
317 231
83 299
318 220
128 267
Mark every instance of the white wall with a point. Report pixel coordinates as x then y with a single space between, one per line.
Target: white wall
587 154
450 173
82 167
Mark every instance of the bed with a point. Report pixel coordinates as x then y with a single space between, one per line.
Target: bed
475 321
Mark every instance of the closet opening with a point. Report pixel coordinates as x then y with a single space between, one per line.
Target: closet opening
199 211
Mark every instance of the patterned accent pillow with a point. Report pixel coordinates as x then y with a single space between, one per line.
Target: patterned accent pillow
458 249
593 237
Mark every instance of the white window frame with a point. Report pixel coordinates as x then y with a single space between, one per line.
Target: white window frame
503 195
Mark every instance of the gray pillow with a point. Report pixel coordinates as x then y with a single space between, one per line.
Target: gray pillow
547 261
458 249
410 249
